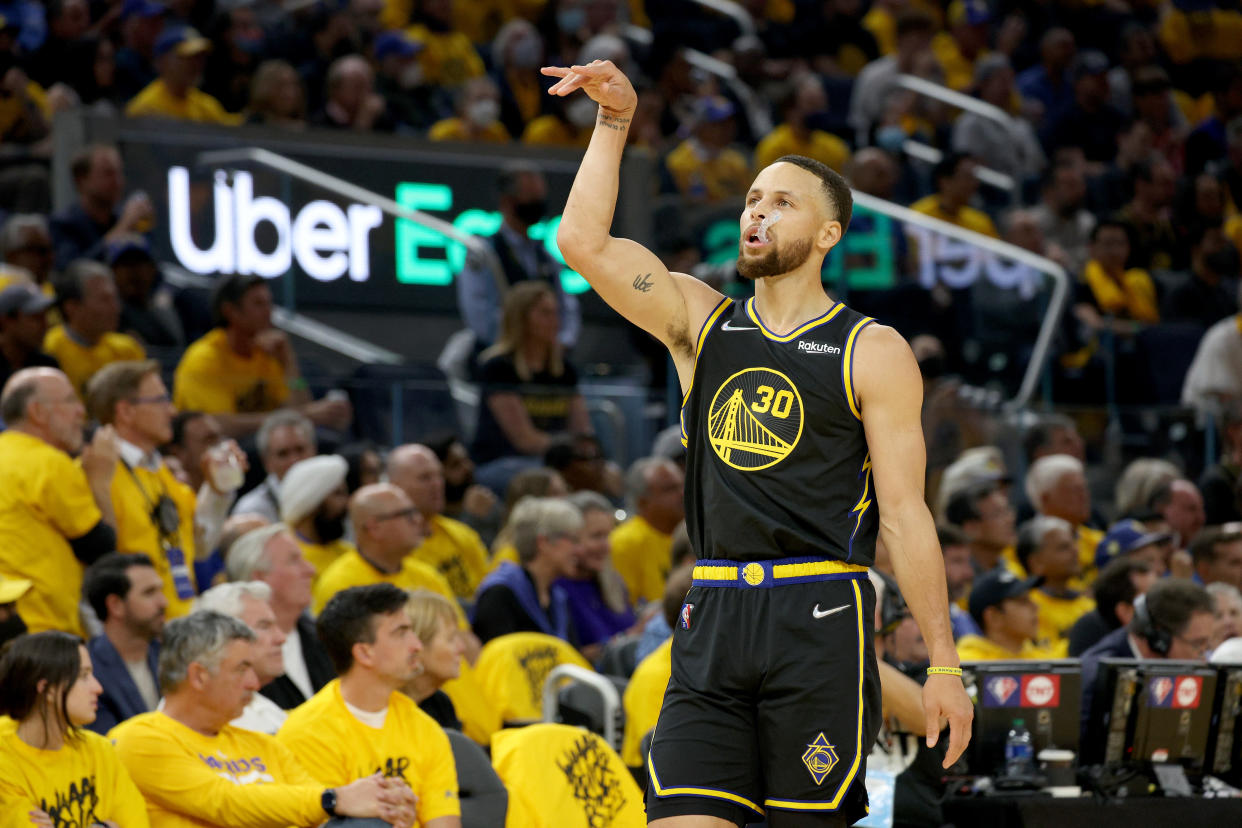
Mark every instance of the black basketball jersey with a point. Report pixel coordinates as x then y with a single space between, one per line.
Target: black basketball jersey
777 463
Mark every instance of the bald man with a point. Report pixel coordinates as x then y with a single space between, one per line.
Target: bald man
388 528
55 515
454 549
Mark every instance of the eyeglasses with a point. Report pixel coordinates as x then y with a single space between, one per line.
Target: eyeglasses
408 514
158 399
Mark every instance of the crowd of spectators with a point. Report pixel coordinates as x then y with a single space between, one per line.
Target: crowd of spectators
236 567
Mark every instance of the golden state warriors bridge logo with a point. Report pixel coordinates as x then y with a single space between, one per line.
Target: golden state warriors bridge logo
755 419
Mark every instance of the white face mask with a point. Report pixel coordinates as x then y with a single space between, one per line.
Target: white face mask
483 113
581 112
411 76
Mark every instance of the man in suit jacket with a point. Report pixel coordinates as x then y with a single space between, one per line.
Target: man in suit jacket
127 594
271 555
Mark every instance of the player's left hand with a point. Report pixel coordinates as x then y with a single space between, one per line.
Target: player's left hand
944 698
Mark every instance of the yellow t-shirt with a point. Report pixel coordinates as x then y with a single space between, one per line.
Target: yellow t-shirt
505 554
642 555
479 717
455 551
1088 540
351 570
80 784
978 648
883 27
513 668
822 146
323 555
214 379
448 58
643 698
80 362
559 775
44 501
237 777
959 71
337 748
1057 615
708 179
155 101
1214 34
1134 298
133 498
454 129
968 217
551 131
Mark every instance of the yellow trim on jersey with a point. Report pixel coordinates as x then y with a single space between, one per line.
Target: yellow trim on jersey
796 332
847 365
835 802
798 570
708 324
711 793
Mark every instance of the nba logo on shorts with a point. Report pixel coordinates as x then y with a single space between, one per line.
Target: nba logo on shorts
685 615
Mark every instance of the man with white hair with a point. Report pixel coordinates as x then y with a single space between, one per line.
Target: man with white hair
313 501
1215 373
249 603
1046 549
26 246
271 555
285 438
1056 485
642 545
194 768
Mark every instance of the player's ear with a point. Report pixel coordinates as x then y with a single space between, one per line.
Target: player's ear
830 232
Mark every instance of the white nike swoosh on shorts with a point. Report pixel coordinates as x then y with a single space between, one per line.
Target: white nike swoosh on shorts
817 614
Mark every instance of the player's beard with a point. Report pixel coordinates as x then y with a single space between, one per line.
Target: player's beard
775 261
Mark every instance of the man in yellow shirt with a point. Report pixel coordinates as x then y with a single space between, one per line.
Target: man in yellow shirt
449 546
478 115
704 167
1046 548
55 515
801 134
180 57
1126 294
964 43
954 178
245 368
88 340
313 502
195 769
1000 603
1056 485
449 59
156 514
642 546
362 723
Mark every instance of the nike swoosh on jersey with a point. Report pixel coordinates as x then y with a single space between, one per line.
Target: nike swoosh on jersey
825 613
729 326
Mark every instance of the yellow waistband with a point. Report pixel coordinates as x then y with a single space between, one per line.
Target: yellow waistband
790 570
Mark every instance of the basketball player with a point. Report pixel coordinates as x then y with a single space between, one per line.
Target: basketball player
801 419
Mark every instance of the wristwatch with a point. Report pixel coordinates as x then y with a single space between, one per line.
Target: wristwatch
328 802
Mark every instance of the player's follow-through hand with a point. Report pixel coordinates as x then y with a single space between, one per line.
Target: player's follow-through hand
603 82
944 698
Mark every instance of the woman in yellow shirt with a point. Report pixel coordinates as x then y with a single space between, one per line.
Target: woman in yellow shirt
51 770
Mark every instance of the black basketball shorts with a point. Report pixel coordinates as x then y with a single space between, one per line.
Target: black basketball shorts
774 700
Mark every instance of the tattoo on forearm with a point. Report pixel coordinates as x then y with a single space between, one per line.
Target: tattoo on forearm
613 121
643 283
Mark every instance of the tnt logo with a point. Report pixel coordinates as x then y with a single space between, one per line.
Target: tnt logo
1161 691
1041 691
1000 691
1189 690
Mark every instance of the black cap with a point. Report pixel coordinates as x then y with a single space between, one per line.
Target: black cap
997 585
24 299
1088 62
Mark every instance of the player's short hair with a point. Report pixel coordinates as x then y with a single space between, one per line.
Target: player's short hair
835 187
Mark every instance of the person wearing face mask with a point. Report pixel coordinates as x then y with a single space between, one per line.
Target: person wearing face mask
450 59
313 501
239 46
1204 298
803 131
413 104
517 52
706 168
523 204
478 115
569 124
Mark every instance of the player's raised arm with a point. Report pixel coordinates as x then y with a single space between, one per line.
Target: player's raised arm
629 277
890 396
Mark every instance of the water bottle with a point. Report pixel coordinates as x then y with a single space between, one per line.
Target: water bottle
1019 752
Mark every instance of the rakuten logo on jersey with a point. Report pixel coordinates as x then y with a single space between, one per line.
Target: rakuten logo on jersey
326 241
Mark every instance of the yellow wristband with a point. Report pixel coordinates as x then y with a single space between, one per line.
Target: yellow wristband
944 671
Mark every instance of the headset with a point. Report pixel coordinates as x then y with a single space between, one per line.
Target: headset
893 606
1158 638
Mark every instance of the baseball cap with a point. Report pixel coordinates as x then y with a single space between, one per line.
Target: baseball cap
396 44
968 11
984 464
142 8
1124 537
1088 62
184 40
24 299
995 586
117 249
12 588
715 108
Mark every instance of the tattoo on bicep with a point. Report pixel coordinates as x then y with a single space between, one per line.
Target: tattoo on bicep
612 121
643 283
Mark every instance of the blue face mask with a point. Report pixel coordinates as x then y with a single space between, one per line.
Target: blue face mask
570 21
890 138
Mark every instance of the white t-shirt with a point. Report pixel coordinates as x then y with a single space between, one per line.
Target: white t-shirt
262 715
1229 652
295 664
371 720
140 672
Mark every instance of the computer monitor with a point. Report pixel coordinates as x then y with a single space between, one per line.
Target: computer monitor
1045 694
1225 746
1155 711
